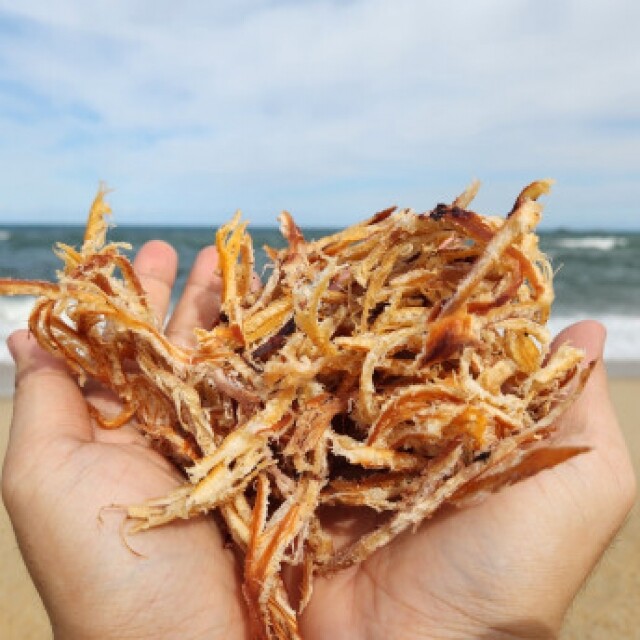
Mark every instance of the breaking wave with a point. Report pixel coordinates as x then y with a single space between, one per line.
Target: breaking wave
598 243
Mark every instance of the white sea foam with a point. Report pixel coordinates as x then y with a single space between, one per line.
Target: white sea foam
5 234
14 313
623 334
599 243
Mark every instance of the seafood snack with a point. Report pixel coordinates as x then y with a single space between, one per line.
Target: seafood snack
397 366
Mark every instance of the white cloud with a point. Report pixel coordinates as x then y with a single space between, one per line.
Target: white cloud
197 108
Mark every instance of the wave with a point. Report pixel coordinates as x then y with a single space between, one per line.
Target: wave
4 235
623 334
14 314
599 243
623 331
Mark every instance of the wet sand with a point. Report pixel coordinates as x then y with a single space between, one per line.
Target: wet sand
607 607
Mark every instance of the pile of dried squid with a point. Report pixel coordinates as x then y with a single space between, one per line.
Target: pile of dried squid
396 366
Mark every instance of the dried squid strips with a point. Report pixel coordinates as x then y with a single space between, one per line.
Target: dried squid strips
396 366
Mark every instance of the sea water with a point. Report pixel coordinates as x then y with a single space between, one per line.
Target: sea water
597 274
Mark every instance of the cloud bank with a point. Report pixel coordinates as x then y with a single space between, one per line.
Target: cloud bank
330 109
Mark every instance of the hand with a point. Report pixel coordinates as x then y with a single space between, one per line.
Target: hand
508 567
61 470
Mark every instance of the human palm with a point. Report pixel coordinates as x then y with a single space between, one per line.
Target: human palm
509 565
61 471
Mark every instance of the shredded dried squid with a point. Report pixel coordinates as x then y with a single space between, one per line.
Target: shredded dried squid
396 366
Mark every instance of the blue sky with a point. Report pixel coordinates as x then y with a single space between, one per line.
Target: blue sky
332 110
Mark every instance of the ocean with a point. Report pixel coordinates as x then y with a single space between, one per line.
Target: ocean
597 273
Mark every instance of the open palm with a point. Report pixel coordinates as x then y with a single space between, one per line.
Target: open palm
61 470
507 567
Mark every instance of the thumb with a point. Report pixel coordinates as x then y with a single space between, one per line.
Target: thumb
47 401
592 419
588 335
592 415
593 407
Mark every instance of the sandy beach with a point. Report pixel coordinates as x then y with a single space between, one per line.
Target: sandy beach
606 608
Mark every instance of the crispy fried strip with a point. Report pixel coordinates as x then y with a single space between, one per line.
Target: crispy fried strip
522 221
398 365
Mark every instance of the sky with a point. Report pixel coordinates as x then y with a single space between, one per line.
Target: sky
329 109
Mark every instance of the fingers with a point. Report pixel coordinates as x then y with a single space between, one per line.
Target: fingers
199 305
592 410
592 421
156 265
589 336
47 401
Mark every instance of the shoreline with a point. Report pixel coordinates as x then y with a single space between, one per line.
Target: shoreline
617 370
623 369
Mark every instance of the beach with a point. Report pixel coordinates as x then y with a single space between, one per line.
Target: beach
605 608
22 616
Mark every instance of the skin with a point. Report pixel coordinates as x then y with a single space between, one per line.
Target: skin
506 568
